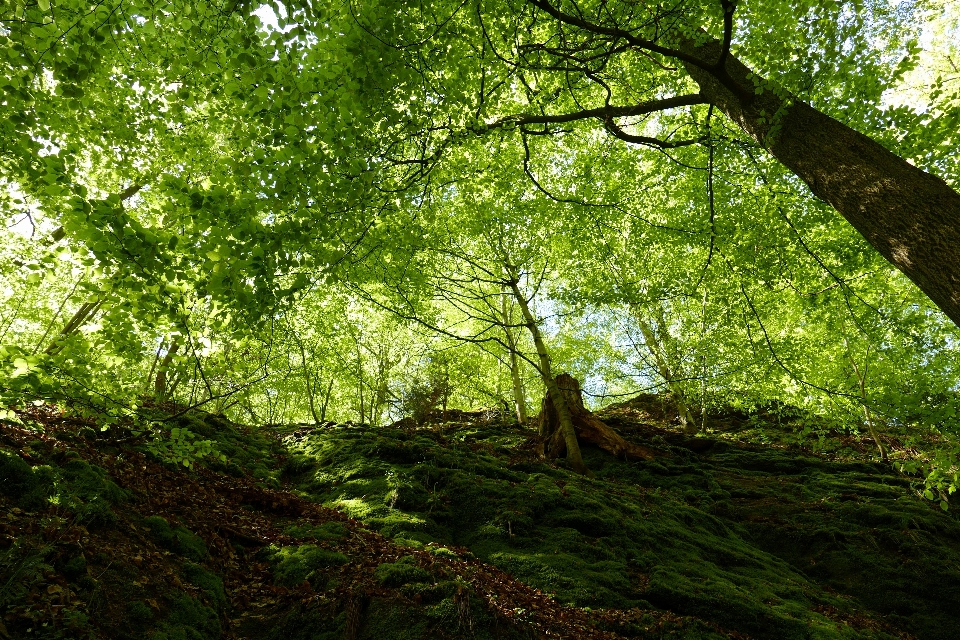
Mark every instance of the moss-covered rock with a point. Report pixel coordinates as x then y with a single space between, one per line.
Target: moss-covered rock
403 571
188 619
30 487
327 531
765 541
209 583
292 565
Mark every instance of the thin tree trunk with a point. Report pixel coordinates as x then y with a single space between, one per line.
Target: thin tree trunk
326 401
360 382
519 397
565 418
56 316
86 311
908 215
160 383
309 380
657 349
862 384
153 367
313 404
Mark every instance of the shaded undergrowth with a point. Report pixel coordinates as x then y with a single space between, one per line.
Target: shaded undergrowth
460 530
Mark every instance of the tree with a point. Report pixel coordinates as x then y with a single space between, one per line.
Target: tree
208 169
541 67
303 137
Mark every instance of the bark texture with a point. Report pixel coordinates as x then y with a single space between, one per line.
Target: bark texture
588 427
911 217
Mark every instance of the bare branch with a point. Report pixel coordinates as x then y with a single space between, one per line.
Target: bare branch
604 113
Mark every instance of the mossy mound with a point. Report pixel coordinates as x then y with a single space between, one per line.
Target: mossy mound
176 538
295 564
82 489
761 541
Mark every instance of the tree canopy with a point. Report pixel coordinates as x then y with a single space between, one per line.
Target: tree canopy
312 211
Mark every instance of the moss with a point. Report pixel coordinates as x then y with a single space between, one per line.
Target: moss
302 623
267 477
401 572
30 487
758 539
90 493
428 592
177 539
298 465
209 583
327 531
392 621
139 613
388 620
292 565
188 619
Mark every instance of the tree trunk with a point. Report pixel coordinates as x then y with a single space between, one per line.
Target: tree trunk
587 426
908 215
519 399
326 402
657 346
160 382
86 311
565 427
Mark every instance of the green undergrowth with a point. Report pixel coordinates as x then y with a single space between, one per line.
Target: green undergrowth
82 490
56 583
765 541
242 450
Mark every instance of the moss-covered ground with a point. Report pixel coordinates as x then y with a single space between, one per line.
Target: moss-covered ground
458 529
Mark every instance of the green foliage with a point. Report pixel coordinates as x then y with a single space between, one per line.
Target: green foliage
288 227
177 539
21 569
181 446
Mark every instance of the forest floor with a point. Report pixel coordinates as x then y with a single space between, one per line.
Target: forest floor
458 529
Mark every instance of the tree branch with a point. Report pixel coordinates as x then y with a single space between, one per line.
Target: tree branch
604 113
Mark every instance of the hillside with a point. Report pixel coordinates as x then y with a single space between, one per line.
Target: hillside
457 529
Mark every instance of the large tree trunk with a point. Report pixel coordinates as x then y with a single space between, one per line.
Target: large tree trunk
911 217
587 426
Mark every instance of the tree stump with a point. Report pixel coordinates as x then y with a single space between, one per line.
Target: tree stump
588 427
